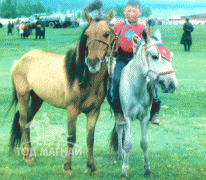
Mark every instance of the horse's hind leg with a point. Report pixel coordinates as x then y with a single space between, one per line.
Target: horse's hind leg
23 95
26 113
36 103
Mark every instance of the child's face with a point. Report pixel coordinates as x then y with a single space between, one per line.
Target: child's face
132 13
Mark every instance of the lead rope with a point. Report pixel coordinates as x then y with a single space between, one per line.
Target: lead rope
111 56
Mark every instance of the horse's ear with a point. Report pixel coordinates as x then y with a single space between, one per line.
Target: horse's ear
110 16
158 35
87 16
145 36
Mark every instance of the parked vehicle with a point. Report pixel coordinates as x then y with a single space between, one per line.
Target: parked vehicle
60 20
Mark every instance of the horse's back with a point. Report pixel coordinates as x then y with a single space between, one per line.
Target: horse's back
45 75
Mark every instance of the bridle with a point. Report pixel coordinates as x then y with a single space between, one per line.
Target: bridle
111 46
165 54
110 54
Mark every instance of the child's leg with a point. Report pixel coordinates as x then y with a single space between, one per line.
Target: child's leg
116 80
154 114
114 92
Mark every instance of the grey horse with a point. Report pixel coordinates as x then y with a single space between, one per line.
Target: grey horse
151 66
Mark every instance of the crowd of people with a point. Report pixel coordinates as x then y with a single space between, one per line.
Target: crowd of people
25 29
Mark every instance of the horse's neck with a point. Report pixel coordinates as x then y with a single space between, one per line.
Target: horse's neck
140 81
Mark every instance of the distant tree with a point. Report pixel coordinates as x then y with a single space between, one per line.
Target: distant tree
7 9
119 9
79 15
20 8
146 12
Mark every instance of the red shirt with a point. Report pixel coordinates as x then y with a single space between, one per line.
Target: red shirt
126 32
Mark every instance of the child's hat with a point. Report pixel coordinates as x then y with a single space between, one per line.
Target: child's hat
134 3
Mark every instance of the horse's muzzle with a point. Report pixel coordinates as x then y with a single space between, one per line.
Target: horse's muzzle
94 65
168 85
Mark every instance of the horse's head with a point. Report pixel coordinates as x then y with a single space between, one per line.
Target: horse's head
99 41
158 62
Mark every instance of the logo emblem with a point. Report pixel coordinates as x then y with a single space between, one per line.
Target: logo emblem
129 34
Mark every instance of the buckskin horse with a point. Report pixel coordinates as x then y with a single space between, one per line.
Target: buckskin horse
75 82
150 66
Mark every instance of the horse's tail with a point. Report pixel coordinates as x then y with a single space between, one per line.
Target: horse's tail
15 138
14 94
16 134
114 140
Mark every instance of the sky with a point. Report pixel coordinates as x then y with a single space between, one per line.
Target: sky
160 8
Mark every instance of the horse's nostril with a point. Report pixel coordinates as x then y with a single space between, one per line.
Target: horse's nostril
161 83
172 86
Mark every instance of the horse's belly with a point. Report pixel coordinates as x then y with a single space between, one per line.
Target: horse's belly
49 86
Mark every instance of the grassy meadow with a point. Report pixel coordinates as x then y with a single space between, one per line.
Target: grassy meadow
177 148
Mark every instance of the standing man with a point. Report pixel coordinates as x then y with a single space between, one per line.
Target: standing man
186 37
38 27
21 29
10 27
42 29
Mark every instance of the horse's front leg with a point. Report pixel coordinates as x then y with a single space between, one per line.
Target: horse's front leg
127 147
144 144
72 118
92 117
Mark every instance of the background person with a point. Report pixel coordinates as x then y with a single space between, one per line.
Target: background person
42 29
21 29
186 39
10 27
38 28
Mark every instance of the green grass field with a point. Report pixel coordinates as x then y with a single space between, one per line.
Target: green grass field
177 148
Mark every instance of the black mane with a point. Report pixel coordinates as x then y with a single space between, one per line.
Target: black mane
76 67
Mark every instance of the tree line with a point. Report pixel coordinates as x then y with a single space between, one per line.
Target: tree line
13 9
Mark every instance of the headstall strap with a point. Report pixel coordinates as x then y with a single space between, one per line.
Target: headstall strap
164 53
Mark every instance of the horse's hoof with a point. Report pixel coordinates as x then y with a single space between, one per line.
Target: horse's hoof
124 176
95 173
68 173
148 174
29 160
87 171
120 157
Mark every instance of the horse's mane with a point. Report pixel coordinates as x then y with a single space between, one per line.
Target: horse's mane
75 67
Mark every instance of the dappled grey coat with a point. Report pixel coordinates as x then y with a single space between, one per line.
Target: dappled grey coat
186 37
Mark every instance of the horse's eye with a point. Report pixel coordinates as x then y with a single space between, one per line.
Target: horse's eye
155 57
106 35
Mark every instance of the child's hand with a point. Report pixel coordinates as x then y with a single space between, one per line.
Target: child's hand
136 39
